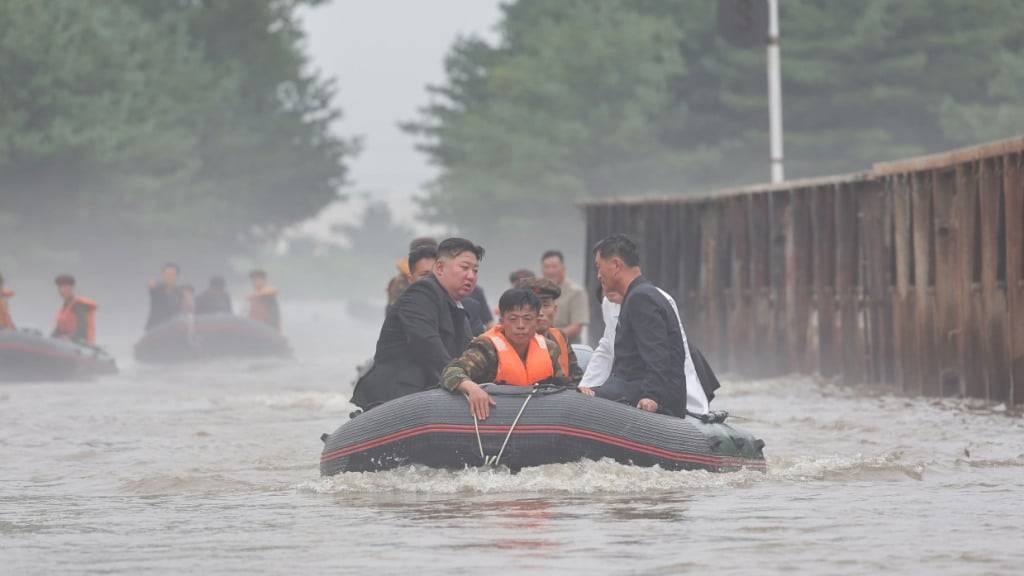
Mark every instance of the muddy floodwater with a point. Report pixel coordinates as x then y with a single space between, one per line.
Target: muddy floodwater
214 469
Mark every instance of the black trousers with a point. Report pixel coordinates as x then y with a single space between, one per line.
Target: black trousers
619 390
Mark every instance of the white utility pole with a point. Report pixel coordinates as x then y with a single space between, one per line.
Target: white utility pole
775 92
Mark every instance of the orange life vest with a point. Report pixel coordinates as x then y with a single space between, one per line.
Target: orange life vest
511 369
5 315
67 320
563 348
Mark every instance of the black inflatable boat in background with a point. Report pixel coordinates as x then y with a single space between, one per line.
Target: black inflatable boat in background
208 337
27 355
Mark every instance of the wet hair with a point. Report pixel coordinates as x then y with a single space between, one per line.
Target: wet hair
217 282
518 298
422 241
619 245
258 273
64 280
520 274
553 254
452 247
171 265
421 253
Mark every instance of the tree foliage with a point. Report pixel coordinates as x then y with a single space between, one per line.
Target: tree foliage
580 99
154 127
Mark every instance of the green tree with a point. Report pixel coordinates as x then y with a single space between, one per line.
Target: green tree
147 129
583 99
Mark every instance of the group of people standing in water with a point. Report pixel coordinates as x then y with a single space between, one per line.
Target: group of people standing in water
168 299
76 317
434 334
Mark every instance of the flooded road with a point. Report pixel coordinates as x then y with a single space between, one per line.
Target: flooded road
214 469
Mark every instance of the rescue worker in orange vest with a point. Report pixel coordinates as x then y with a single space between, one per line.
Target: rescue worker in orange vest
5 313
512 352
263 305
76 319
547 291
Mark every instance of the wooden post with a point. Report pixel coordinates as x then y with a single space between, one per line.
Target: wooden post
847 262
763 338
993 299
1013 190
780 218
968 334
740 321
874 222
823 235
947 240
907 379
924 313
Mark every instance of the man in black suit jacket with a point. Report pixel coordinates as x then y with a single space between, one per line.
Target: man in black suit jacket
424 330
648 369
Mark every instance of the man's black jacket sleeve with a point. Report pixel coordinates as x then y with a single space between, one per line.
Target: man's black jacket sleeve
420 309
650 324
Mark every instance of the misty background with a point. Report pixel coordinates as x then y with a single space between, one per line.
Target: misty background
316 138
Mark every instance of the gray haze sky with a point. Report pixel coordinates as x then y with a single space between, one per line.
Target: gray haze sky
383 53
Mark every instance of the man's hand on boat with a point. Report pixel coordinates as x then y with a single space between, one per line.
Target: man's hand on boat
647 405
480 402
585 391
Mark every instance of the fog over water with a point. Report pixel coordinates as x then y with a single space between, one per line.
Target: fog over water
214 469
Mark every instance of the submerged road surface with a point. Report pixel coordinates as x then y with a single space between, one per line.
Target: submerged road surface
214 469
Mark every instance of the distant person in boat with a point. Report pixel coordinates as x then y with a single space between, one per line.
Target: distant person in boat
402 280
424 330
76 319
263 306
701 381
512 352
573 305
548 292
649 366
215 299
518 275
166 298
6 323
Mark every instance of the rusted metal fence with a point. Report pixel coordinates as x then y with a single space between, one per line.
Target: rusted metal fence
910 275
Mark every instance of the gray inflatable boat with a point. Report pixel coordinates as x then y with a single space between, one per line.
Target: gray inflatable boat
531 426
27 355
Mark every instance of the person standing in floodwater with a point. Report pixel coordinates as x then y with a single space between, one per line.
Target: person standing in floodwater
263 306
5 313
166 298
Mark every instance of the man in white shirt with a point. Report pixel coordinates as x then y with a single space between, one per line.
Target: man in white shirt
599 368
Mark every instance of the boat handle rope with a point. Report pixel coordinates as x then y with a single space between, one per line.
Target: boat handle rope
493 461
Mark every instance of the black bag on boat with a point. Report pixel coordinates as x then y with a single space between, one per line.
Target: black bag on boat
708 380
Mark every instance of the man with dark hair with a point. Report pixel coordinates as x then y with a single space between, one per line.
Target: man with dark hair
511 352
548 292
573 306
401 280
263 305
425 328
215 299
6 323
166 298
648 370
421 262
76 319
